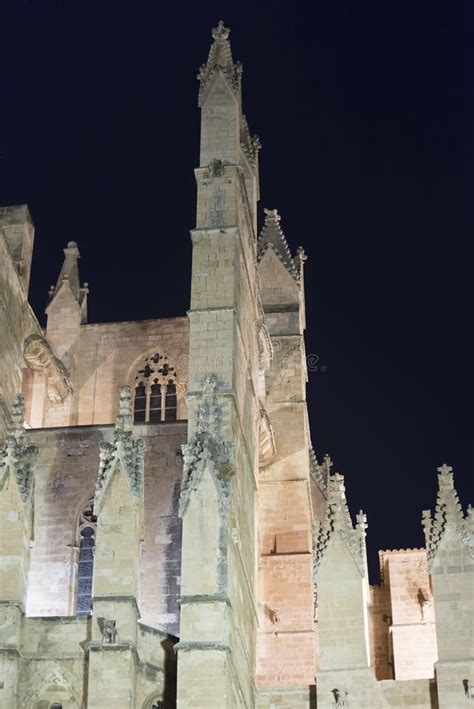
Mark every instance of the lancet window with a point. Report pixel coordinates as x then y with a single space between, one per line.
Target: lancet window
155 395
85 570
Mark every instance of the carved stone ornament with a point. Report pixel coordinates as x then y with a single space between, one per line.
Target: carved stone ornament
220 60
250 144
16 455
124 448
320 472
267 448
265 347
338 521
40 357
448 514
272 237
207 450
108 629
215 168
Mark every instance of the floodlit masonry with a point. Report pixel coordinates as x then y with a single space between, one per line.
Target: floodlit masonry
167 535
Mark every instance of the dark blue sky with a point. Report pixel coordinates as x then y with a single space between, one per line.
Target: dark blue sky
365 113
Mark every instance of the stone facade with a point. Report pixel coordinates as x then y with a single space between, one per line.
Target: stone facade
168 536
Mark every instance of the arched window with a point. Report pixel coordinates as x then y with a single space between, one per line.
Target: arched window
85 569
155 397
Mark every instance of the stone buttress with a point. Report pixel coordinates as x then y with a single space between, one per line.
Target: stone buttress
118 505
286 641
216 652
344 676
16 531
450 547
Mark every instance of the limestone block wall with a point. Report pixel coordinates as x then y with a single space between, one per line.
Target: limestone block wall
66 473
54 665
342 609
417 694
381 652
286 645
452 574
413 631
102 358
286 698
17 320
53 662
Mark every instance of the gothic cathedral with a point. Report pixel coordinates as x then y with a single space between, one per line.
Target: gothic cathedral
168 537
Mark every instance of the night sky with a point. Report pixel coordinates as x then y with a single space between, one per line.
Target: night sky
365 113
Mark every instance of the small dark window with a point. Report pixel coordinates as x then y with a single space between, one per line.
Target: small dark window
140 404
155 402
56 705
85 568
170 405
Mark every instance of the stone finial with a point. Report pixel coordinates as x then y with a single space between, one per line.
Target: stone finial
361 521
271 216
124 448
445 470
220 32
15 454
272 237
338 521
448 514
206 449
220 60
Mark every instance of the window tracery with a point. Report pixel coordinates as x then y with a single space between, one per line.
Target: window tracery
155 390
85 570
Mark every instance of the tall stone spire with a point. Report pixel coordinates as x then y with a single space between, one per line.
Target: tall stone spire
220 60
272 237
218 495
